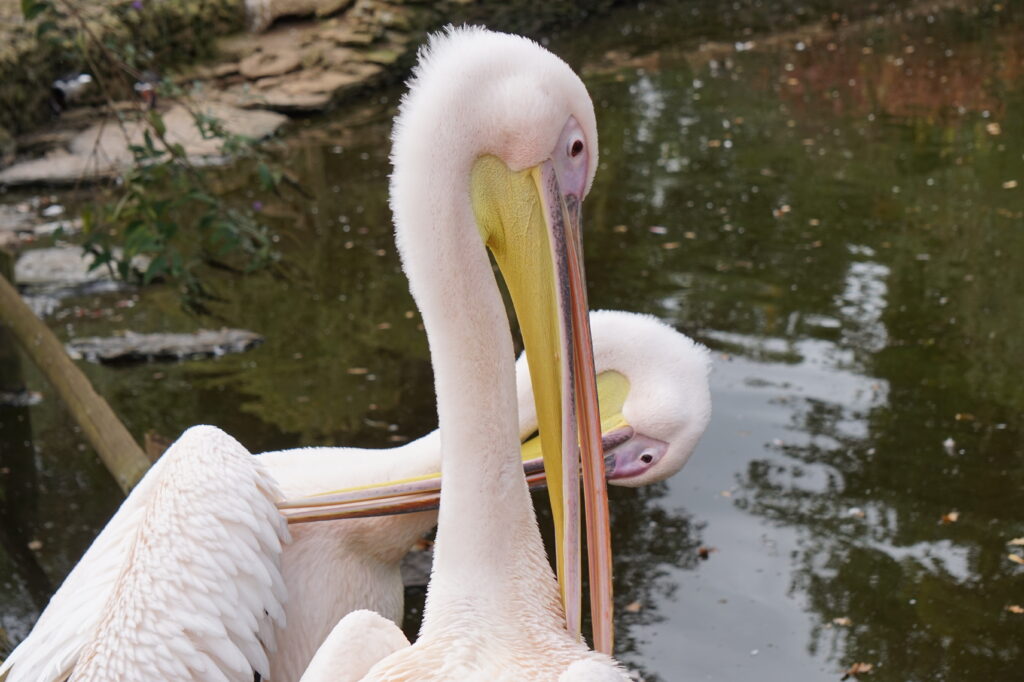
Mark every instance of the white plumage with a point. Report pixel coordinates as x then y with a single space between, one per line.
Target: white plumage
185 587
493 609
332 568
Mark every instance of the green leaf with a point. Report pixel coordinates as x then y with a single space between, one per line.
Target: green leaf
157 121
31 9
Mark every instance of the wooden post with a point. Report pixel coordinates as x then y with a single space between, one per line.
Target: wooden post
120 453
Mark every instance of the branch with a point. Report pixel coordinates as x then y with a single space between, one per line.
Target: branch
108 436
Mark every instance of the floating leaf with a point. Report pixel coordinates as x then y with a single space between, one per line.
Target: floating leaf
1016 558
858 669
843 621
633 607
1015 608
950 517
1016 542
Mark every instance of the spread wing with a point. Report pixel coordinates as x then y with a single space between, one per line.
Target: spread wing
183 583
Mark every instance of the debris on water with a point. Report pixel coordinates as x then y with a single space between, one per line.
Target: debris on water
35 545
857 669
949 445
668 246
133 347
705 552
1016 558
993 129
22 398
52 211
1009 184
658 229
842 622
1015 608
755 652
633 607
1016 542
855 512
949 517
357 370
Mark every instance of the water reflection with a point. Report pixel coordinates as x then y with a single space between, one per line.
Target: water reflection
835 207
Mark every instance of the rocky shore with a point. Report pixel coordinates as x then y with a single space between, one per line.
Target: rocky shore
295 66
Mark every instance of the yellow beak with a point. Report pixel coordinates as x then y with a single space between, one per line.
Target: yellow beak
533 231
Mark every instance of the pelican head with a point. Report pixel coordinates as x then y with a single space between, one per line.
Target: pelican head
658 425
496 141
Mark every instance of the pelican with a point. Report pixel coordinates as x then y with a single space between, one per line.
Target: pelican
495 147
655 405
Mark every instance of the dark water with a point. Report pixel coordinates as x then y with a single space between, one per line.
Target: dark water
838 212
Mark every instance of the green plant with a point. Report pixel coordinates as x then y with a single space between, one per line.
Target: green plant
160 220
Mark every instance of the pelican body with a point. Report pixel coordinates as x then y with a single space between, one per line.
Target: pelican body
658 390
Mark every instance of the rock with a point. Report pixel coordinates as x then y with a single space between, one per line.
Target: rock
132 347
62 266
346 35
102 150
15 218
60 168
262 64
111 142
307 91
261 14
22 398
384 57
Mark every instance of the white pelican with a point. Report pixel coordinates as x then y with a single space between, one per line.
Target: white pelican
495 145
654 391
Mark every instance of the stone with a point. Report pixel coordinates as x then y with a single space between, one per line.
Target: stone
62 266
273 63
102 150
133 347
346 35
58 168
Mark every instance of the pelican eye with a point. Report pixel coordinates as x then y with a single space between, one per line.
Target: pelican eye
646 458
576 148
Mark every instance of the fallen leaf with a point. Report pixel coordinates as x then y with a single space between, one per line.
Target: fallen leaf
35 545
671 245
950 517
357 370
705 552
857 669
843 621
633 607
620 229
1016 558
1015 608
1009 184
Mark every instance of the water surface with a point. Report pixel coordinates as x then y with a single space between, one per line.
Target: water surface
836 209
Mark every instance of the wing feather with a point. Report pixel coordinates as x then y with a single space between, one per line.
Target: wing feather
183 583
